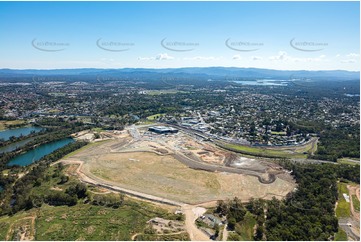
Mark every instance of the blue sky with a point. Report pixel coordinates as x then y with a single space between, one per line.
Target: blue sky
275 35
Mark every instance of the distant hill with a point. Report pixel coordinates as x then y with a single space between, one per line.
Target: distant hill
205 72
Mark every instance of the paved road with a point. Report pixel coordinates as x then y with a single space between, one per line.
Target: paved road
347 224
300 160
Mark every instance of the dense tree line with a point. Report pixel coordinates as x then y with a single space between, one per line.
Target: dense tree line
333 143
308 213
305 214
107 201
343 142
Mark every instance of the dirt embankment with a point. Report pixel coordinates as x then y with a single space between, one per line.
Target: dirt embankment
354 191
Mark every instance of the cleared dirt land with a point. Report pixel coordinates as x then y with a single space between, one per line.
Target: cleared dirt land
166 177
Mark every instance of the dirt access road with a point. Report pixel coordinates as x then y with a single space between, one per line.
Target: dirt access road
191 212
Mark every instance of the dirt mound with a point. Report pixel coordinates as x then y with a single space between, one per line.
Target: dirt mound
162 151
230 158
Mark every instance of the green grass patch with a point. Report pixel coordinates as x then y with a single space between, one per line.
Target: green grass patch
5 172
342 187
51 183
4 228
83 221
314 148
155 116
263 152
346 161
89 222
244 229
12 222
201 223
97 129
145 122
5 123
305 148
164 237
85 147
340 235
356 203
343 207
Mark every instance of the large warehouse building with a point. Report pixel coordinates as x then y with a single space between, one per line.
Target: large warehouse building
163 130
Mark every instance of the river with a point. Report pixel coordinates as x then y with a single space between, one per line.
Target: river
39 152
15 145
23 131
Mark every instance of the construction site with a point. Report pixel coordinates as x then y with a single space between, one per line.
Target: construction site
177 167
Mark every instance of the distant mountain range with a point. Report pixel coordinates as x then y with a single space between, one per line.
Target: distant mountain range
205 72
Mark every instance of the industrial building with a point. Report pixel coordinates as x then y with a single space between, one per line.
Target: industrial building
163 130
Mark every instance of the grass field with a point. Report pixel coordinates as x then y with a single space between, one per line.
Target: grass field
88 222
97 129
164 237
257 151
244 229
346 161
82 221
5 124
341 235
10 225
343 207
155 116
86 147
52 183
356 203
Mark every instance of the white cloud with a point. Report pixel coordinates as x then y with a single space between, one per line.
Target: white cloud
350 58
107 60
161 56
164 56
351 55
202 58
237 57
348 61
256 58
282 55
146 58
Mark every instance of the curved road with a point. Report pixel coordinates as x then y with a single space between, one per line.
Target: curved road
214 168
187 209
